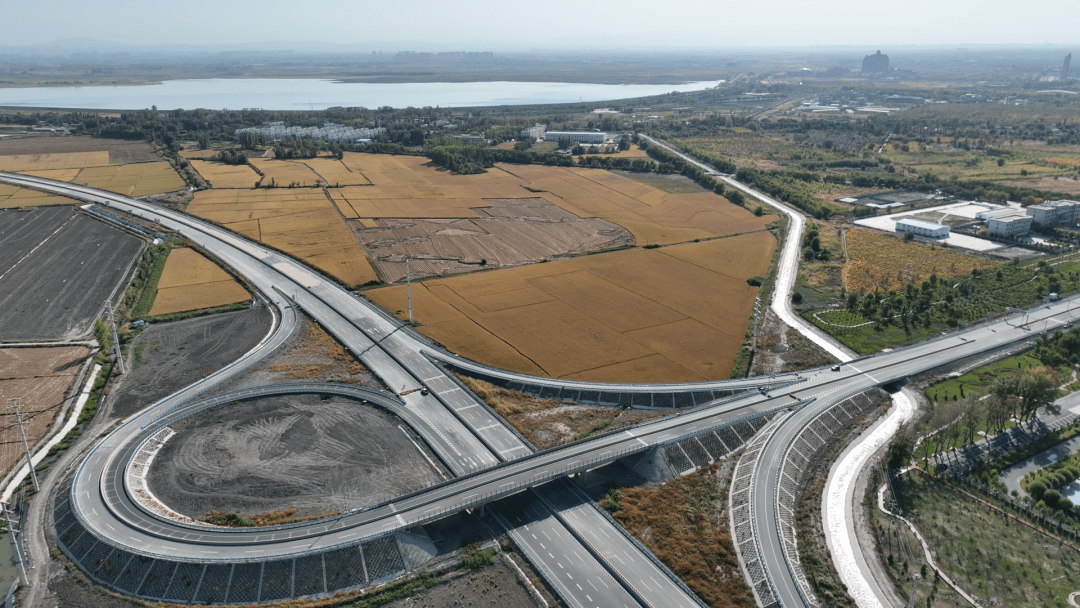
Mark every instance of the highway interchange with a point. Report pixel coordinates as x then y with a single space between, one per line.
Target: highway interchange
490 460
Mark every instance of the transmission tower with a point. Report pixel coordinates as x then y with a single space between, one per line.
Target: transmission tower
408 287
116 340
26 445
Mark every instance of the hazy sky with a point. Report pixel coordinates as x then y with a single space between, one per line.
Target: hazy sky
477 24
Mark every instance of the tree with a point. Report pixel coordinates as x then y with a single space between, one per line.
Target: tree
566 142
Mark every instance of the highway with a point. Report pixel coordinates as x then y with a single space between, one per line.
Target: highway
467 436
101 502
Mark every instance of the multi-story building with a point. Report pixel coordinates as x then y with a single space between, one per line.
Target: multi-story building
534 132
579 137
1055 213
1009 224
921 228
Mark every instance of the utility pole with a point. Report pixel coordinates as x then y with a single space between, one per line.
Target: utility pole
14 542
26 446
116 340
408 287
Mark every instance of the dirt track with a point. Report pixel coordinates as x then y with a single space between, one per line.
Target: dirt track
56 286
297 452
174 355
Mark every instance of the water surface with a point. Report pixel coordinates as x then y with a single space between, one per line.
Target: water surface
301 94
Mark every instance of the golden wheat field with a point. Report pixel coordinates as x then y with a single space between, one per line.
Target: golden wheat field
189 281
12 197
410 187
884 262
44 162
298 221
335 173
220 175
284 173
137 179
673 314
40 379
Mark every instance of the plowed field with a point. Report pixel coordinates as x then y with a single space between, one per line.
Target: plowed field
673 314
191 282
39 378
301 222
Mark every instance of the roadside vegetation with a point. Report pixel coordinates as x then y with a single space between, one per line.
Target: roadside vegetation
994 558
685 524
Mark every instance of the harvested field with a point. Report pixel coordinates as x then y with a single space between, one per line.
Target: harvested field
684 523
60 267
409 187
137 179
884 262
547 423
166 357
653 216
335 173
674 314
220 175
43 162
13 197
284 173
317 456
191 282
40 379
120 151
301 222
511 232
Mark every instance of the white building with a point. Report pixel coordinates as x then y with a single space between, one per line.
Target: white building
579 137
1055 213
921 228
534 132
1009 225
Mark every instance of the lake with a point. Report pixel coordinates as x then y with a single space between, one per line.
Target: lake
300 94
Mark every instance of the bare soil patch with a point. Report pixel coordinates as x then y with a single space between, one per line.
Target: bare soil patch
1068 185
315 455
511 232
166 357
547 423
55 291
309 354
120 151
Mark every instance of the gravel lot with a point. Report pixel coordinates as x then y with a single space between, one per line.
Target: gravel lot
68 268
173 355
295 452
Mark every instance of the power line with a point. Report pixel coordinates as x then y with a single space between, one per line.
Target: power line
26 446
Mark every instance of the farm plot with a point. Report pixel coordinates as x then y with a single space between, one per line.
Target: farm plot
192 282
284 173
335 173
301 222
511 232
43 162
137 179
673 314
13 197
880 261
220 175
55 291
652 215
40 379
120 151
